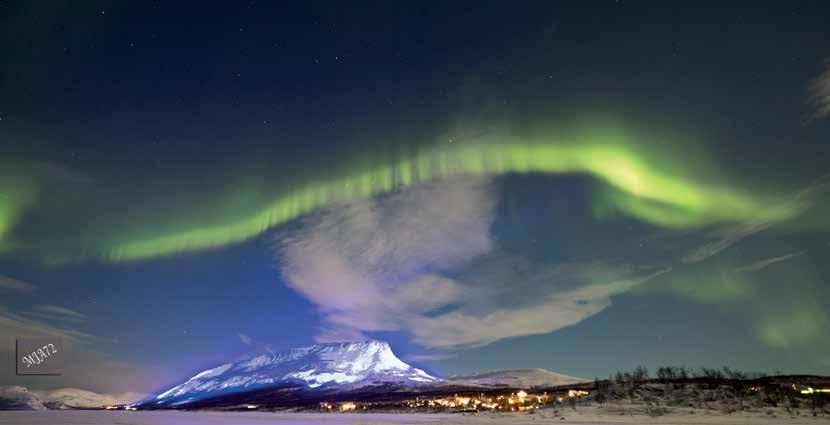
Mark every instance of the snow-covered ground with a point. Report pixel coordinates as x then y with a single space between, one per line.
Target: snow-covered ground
586 416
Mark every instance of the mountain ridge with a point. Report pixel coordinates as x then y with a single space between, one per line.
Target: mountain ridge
518 378
345 365
15 397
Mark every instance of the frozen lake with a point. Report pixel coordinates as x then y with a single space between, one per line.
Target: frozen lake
66 417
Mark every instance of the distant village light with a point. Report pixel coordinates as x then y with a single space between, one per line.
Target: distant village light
519 401
577 393
811 390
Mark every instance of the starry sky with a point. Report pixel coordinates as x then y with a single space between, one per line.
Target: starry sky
579 187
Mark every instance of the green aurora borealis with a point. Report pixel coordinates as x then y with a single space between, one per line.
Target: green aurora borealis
632 183
675 190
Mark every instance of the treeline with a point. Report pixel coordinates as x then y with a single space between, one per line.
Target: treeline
681 373
705 387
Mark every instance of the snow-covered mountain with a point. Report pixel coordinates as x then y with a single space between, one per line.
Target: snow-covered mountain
339 365
72 398
515 378
14 397
20 398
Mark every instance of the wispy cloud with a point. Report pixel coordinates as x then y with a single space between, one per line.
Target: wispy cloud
429 357
559 309
59 313
762 264
11 284
725 237
819 94
422 261
245 339
17 326
63 174
339 334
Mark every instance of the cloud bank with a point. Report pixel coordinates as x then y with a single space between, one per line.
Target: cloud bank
422 261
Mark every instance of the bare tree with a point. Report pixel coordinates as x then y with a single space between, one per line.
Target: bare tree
665 374
600 388
711 375
640 373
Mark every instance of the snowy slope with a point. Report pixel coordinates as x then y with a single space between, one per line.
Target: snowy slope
68 398
346 365
14 397
515 378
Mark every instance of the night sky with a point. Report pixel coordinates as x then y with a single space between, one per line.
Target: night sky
486 185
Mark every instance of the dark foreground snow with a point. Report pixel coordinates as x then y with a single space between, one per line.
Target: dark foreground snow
90 417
